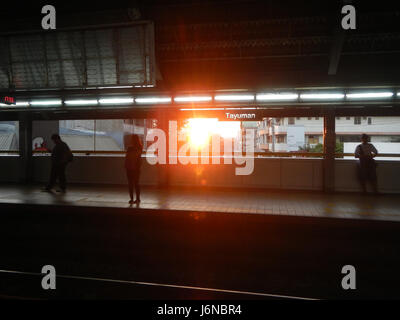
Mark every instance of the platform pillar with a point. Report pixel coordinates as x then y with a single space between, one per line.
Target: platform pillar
329 151
163 169
25 148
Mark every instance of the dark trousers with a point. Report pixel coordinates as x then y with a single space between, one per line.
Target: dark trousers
133 182
367 173
58 172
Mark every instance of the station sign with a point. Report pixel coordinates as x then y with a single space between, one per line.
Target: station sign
7 99
225 115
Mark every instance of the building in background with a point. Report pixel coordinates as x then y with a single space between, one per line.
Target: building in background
252 125
9 133
274 133
103 135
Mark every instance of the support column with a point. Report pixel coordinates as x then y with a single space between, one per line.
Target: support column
329 151
25 148
163 169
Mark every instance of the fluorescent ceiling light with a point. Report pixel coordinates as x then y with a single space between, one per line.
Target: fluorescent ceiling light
115 87
153 100
18 104
201 109
363 95
23 103
116 100
46 103
232 97
321 96
80 102
144 86
277 96
193 99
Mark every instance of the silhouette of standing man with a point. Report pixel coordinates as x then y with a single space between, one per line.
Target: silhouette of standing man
133 161
366 152
60 156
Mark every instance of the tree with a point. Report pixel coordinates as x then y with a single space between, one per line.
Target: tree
319 148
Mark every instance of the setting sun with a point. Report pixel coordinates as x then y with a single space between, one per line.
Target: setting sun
200 130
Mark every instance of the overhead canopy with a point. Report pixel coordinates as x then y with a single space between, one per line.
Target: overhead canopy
76 58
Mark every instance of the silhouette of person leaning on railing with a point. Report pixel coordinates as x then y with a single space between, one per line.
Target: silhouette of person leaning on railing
366 152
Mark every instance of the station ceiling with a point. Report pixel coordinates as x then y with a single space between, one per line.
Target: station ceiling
258 44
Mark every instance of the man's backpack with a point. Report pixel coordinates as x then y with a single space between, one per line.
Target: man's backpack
68 153
70 156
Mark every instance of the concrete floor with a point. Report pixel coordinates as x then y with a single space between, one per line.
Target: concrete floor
180 241
308 204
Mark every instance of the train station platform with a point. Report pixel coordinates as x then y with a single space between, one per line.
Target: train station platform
197 244
282 203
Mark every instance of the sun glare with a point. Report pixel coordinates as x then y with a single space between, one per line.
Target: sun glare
200 130
228 129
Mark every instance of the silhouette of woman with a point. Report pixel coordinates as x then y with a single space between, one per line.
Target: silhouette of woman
366 152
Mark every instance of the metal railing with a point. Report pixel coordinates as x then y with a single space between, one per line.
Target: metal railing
256 154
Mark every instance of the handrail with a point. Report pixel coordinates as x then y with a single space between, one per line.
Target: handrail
290 154
275 154
82 151
265 154
395 155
